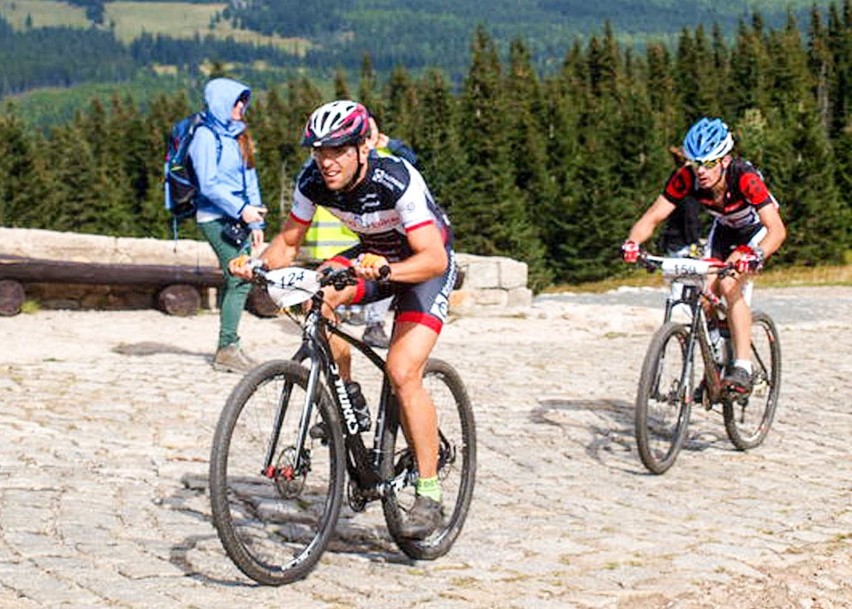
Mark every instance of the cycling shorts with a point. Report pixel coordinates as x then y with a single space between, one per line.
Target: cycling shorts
723 240
426 303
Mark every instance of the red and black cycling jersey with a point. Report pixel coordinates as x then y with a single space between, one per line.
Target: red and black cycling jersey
390 202
745 194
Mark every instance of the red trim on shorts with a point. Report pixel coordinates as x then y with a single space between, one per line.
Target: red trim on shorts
408 229
299 220
430 321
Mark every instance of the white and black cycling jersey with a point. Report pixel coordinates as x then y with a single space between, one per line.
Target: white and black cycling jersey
391 201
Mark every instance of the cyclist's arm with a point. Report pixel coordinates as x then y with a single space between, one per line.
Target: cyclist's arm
776 232
655 215
284 247
429 258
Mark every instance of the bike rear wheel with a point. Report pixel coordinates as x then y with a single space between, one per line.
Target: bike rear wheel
748 421
274 522
456 464
663 402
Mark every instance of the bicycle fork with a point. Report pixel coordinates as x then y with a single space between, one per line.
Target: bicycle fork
300 463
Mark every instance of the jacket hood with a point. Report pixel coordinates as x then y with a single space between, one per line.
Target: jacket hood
220 95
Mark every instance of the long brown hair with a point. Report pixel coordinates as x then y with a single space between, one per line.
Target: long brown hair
246 143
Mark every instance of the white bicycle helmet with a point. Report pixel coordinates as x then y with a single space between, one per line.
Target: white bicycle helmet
338 123
708 140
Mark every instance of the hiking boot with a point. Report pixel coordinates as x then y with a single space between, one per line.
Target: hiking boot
375 336
738 381
424 517
232 359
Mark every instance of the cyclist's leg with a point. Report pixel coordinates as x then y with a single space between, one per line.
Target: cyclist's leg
340 349
421 311
409 349
739 315
731 288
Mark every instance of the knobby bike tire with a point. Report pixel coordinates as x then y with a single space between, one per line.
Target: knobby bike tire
748 421
456 464
275 525
663 406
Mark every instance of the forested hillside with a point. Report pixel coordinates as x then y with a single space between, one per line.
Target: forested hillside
547 167
281 36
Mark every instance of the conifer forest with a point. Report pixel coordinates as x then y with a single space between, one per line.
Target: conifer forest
549 167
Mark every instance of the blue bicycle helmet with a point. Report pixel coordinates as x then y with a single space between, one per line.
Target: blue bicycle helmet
708 140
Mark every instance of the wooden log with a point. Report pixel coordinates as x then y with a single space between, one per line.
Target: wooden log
179 299
60 271
11 297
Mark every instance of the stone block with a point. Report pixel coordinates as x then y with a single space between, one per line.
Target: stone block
519 297
513 273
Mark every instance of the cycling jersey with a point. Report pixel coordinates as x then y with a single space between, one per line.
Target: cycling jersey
389 203
745 194
736 220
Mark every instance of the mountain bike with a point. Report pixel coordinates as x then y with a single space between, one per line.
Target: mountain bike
685 364
277 486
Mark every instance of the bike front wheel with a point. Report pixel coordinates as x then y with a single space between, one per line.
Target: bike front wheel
456 464
664 398
748 421
276 516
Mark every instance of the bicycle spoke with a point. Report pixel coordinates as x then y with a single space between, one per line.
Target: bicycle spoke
747 422
663 399
273 519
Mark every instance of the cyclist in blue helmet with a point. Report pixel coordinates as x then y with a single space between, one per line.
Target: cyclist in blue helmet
747 226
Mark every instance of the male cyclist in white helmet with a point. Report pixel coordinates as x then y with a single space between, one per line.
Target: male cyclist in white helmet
747 227
386 203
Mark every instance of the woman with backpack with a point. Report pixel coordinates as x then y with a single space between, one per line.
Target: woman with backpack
230 212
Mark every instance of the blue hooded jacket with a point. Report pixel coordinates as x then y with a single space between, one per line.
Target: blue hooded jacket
227 186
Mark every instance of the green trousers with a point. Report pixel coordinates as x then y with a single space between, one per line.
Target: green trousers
234 292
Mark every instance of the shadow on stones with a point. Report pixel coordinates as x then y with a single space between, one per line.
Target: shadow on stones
370 541
611 429
154 348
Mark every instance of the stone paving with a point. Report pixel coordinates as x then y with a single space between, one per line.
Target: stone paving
106 420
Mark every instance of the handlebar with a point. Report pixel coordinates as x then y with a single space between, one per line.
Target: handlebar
339 278
684 267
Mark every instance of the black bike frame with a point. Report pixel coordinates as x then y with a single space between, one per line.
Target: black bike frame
698 331
362 464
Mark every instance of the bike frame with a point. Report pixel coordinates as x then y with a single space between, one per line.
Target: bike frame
363 464
699 334
695 294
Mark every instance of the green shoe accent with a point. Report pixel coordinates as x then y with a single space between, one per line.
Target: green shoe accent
428 487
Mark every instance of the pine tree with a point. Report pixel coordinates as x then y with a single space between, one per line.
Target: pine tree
368 93
815 214
437 143
493 219
23 179
527 126
401 105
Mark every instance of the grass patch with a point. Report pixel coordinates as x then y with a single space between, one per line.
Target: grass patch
132 19
43 13
173 19
185 20
30 306
840 275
